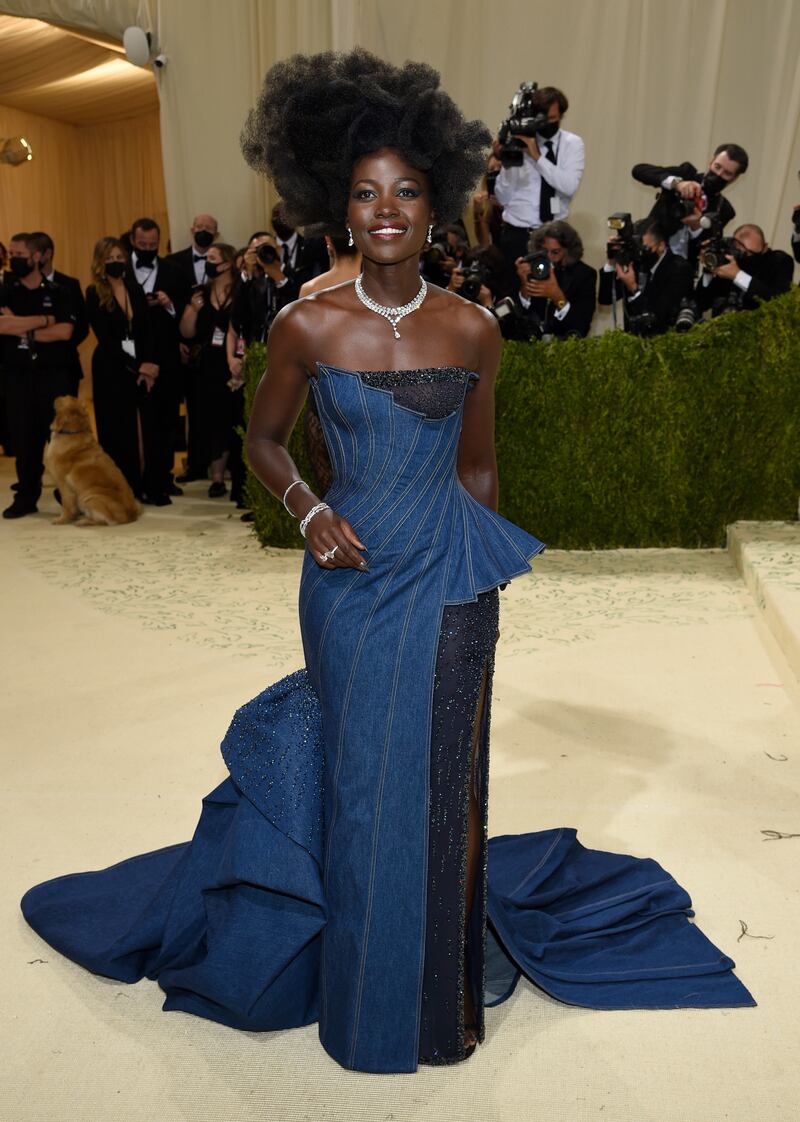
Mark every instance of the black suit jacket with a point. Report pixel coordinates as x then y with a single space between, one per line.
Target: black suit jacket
183 261
653 176
256 303
73 287
111 326
578 282
771 272
660 295
310 260
165 327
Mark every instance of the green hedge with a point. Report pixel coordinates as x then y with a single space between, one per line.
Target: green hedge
625 442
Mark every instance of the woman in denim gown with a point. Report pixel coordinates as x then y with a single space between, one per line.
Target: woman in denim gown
342 873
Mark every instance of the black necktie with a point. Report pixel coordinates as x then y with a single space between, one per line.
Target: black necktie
286 257
199 256
547 192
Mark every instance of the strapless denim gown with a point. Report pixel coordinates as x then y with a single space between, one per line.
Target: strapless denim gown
324 880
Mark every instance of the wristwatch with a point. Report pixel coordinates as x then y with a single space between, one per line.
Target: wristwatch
561 304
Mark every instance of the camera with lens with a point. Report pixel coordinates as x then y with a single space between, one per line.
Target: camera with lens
733 302
670 209
688 315
626 248
434 254
525 118
643 324
516 323
267 254
540 264
475 276
716 249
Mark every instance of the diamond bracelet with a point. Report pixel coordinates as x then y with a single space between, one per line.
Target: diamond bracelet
311 514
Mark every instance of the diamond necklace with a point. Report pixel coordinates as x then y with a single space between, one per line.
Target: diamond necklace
394 315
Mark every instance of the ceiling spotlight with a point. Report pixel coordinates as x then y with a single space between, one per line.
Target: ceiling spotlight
16 150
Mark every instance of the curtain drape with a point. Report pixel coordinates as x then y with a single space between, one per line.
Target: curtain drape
83 182
647 81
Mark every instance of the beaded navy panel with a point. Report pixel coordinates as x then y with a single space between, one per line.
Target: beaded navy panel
464 661
434 391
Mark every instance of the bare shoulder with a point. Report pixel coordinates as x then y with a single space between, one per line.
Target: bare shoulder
303 325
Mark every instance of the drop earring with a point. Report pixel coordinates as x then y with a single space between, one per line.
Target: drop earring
430 233
350 233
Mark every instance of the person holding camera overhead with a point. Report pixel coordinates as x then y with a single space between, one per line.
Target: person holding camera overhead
749 273
650 278
542 166
688 197
556 286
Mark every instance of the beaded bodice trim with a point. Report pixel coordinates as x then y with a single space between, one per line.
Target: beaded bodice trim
433 391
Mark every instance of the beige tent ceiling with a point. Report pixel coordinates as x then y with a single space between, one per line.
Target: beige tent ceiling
56 73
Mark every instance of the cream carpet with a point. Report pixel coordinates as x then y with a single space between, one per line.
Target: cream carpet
638 697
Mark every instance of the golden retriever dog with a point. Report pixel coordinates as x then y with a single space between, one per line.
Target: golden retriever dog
94 492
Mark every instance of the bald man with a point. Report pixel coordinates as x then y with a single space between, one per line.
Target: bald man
752 274
192 261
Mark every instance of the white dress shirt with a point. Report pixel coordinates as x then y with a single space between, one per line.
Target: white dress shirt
517 189
199 266
291 245
146 277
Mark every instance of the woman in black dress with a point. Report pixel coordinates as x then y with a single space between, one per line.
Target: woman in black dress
123 371
218 395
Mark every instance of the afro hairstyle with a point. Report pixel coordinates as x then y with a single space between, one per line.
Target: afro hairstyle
318 114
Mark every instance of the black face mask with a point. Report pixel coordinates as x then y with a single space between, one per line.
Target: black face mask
713 184
203 238
549 131
21 266
146 257
649 258
213 269
115 269
283 231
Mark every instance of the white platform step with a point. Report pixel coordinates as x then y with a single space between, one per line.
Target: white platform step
767 554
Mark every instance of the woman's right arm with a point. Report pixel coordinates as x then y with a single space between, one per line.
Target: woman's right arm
276 406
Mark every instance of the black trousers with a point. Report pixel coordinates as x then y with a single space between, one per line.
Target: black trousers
116 412
514 242
31 392
160 416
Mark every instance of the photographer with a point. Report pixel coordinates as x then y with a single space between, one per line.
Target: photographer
687 195
477 276
443 255
750 272
542 165
651 279
264 290
561 293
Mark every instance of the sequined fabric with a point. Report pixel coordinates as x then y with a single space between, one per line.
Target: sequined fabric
464 660
434 392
